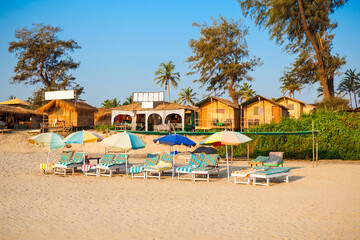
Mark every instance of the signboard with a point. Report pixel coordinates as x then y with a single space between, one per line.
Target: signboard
147 104
67 94
148 96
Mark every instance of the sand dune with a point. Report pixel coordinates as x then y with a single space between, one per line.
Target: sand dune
318 203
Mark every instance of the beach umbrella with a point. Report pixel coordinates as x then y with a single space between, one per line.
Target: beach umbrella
175 139
81 137
124 141
206 150
226 138
50 140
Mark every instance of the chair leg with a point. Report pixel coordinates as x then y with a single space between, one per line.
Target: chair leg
287 179
268 182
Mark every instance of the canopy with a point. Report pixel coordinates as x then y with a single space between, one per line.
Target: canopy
175 139
50 139
124 141
81 137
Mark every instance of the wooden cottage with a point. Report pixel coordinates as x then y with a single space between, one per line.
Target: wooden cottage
18 117
215 112
69 114
259 110
296 107
103 116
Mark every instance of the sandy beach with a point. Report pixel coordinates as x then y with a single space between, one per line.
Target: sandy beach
318 203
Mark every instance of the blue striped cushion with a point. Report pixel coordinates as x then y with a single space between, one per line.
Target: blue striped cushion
138 169
272 171
186 169
202 169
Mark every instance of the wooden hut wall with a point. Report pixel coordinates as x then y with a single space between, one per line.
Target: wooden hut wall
215 110
85 119
295 108
58 115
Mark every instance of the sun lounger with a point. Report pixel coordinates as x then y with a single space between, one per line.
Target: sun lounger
208 166
165 164
195 161
114 165
76 161
246 174
104 163
151 160
258 160
275 159
270 174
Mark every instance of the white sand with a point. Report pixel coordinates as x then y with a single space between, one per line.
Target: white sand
318 203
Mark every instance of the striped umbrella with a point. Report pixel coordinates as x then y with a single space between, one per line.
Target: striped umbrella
82 137
226 138
50 140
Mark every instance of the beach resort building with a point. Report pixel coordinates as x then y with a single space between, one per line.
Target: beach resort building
215 112
259 110
69 114
153 116
295 107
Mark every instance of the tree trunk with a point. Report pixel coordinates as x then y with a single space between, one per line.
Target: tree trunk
327 84
169 92
355 100
350 99
231 91
214 93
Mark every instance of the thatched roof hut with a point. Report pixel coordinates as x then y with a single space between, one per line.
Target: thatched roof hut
16 116
15 102
79 114
103 116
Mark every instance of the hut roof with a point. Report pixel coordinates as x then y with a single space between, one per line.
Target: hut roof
257 97
102 113
16 110
225 101
293 99
71 106
157 106
15 101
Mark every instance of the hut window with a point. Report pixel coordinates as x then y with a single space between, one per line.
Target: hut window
291 106
252 122
258 110
220 110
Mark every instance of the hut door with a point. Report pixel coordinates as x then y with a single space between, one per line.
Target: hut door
203 117
276 114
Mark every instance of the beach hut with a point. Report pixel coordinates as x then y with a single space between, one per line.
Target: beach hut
259 110
15 103
102 116
68 113
215 112
160 116
295 107
18 117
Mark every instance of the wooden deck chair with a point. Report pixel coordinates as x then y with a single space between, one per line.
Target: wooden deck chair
77 160
120 159
165 164
208 166
195 161
151 160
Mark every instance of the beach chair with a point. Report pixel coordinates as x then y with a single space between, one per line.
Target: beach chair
195 161
258 160
275 159
246 174
76 161
208 166
165 164
271 173
151 160
120 160
104 162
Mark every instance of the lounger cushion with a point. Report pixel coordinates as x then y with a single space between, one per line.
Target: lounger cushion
186 169
138 169
46 166
273 171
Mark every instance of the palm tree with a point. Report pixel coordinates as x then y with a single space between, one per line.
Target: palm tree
245 92
110 103
166 75
128 100
350 84
187 96
320 91
290 85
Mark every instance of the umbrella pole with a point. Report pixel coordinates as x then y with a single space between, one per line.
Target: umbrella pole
227 163
48 157
126 168
173 166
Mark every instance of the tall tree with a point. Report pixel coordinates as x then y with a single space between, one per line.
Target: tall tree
350 84
302 26
289 85
187 96
43 58
111 103
221 57
165 76
128 100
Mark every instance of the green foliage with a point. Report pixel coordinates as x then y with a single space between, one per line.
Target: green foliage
338 139
245 92
350 84
187 96
128 100
220 56
102 128
289 84
110 103
335 103
165 76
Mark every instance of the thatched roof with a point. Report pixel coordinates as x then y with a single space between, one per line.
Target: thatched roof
257 97
67 105
15 101
157 106
16 110
224 101
102 113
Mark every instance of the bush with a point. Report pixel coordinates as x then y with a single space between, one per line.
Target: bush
102 128
339 137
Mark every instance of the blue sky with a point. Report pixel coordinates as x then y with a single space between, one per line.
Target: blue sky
123 42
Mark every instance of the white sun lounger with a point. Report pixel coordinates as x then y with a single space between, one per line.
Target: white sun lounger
272 173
